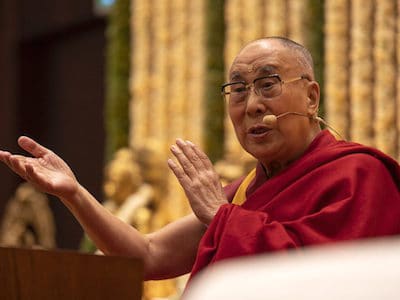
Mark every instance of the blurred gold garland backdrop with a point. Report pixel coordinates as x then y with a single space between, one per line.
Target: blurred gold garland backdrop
355 44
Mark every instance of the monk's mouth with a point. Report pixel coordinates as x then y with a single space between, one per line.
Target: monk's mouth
258 130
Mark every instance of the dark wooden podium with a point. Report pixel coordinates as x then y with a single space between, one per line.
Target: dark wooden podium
59 274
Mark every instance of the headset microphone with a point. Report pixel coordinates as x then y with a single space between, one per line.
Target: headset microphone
271 121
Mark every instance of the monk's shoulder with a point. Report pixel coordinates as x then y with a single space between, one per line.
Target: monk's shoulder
362 162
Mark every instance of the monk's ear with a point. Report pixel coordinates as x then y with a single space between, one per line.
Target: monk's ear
313 94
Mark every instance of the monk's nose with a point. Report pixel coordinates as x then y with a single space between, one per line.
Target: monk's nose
255 105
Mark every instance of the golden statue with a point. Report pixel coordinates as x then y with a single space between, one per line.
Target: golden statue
154 169
128 197
28 220
135 184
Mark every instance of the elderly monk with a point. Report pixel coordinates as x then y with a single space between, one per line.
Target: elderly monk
308 188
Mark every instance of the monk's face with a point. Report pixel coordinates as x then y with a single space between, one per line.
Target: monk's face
293 134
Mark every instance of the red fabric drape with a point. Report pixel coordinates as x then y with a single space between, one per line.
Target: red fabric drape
336 191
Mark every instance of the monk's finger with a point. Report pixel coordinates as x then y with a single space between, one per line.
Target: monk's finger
211 177
35 176
202 156
191 155
17 164
13 165
32 147
180 174
185 163
5 157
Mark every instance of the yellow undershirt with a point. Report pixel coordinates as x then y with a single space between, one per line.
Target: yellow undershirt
240 195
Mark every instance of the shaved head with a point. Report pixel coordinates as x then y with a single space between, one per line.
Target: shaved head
300 53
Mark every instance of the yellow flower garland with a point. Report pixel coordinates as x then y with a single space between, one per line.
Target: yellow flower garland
252 27
157 119
275 18
385 74
336 64
140 74
233 42
398 80
296 20
362 69
196 72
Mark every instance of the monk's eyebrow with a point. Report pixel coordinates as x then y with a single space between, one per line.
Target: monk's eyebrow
262 70
235 76
266 70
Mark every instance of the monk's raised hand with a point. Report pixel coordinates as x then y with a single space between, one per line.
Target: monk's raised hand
45 170
198 178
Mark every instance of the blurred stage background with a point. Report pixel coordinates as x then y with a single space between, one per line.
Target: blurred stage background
86 78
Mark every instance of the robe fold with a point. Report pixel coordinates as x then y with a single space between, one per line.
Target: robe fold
336 191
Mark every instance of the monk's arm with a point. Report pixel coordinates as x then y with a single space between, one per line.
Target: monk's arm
166 253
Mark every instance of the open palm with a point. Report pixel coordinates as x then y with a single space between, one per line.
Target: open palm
45 170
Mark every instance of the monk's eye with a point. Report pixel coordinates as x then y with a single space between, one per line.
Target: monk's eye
267 87
238 88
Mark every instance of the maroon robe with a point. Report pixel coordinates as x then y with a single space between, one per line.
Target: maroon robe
336 191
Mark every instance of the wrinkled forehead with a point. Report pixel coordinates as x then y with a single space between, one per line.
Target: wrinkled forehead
259 59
